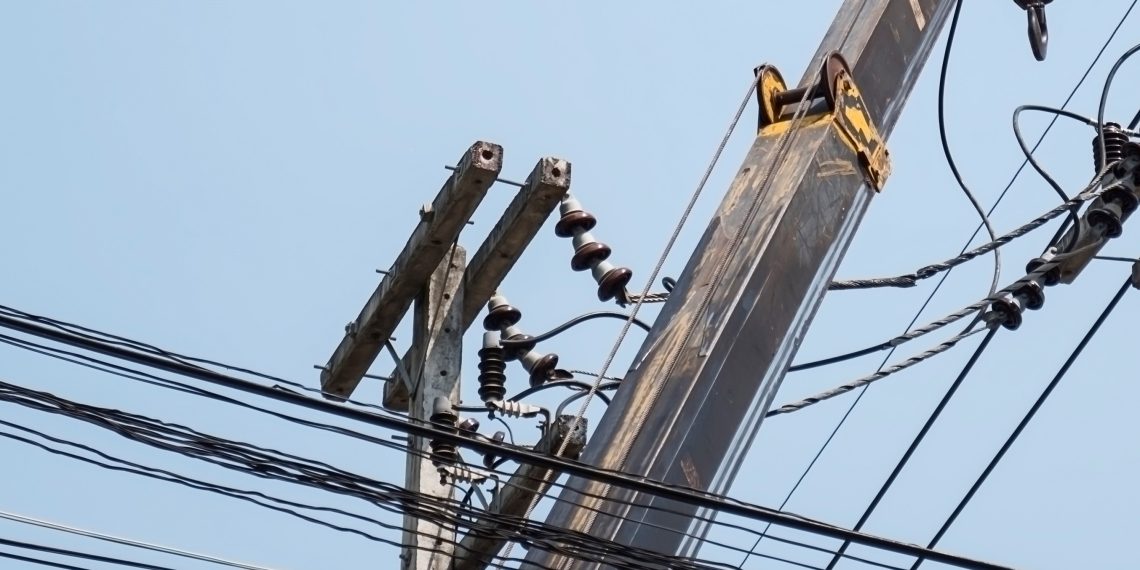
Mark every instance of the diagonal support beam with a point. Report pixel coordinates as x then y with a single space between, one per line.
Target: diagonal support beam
519 224
439 227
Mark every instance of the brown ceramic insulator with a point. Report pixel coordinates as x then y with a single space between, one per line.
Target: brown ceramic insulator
501 317
588 255
573 222
612 281
540 367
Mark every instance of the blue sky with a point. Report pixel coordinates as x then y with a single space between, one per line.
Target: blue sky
221 179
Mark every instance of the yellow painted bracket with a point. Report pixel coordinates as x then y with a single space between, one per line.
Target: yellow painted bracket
834 98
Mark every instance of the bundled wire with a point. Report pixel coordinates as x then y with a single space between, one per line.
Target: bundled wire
1089 192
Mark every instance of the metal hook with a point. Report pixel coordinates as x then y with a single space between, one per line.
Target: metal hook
1038 27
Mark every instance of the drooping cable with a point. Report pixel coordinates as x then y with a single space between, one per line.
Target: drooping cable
422 429
950 35
1028 417
918 438
1102 151
573 323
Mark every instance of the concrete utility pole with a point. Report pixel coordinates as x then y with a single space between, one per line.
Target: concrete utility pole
438 342
693 401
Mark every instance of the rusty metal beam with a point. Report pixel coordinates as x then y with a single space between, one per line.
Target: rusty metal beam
523 218
693 401
439 227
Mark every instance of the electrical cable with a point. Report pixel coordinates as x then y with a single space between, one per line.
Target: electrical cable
874 376
938 286
119 372
126 541
970 309
1073 220
565 384
638 484
1028 417
918 439
40 561
507 343
94 334
951 34
1086 194
78 554
150 472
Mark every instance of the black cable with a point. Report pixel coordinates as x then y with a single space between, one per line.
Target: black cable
946 144
1074 220
950 392
423 429
40 561
1028 417
140 376
77 554
1102 153
220 446
507 343
938 286
565 384
1135 121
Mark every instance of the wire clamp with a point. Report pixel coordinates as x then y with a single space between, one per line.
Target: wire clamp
835 98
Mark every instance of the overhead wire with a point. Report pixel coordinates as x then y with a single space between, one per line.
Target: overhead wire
951 34
639 484
122 372
506 342
917 441
938 286
77 554
40 561
1129 283
23 519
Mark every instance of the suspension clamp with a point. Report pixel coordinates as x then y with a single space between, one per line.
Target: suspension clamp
835 98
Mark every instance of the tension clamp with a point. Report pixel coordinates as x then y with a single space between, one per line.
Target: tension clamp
835 98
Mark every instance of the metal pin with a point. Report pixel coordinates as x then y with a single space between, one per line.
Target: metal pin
319 367
503 180
378 377
383 272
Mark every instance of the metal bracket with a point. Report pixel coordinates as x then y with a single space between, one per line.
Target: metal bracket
834 97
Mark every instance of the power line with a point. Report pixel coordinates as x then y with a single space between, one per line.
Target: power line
918 438
78 554
423 429
1028 417
166 476
950 35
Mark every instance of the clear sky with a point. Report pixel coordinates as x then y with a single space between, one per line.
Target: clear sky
222 178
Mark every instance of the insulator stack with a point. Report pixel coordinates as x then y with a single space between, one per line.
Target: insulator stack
589 253
494 355
492 369
1050 277
1114 140
1109 213
1010 307
443 416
